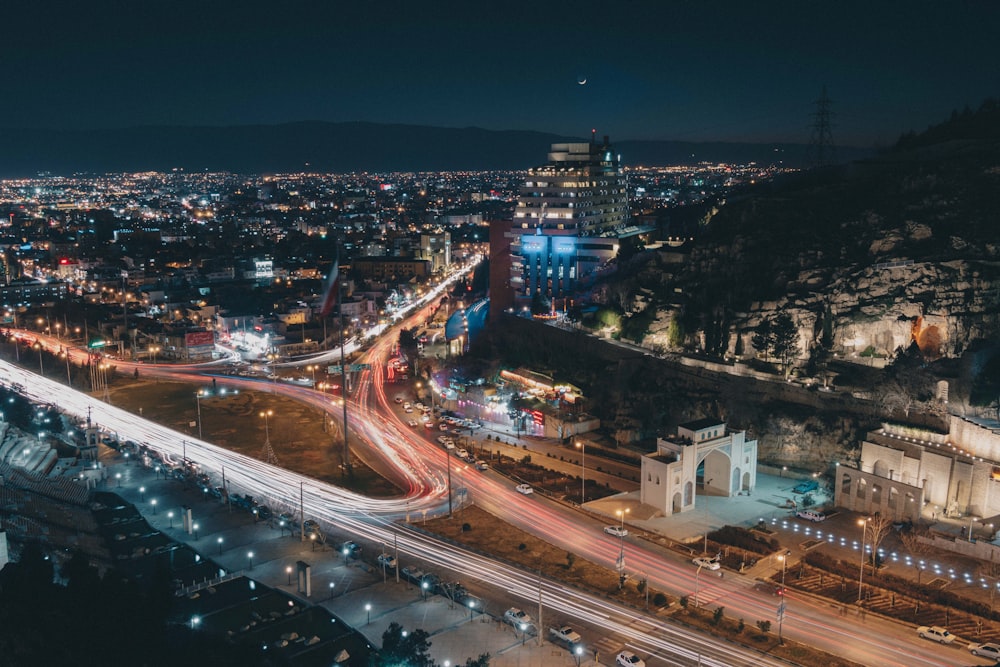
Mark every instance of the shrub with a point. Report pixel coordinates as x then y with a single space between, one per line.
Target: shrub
764 627
522 546
660 600
466 527
740 627
717 615
684 601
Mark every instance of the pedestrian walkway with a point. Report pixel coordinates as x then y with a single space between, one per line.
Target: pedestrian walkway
362 596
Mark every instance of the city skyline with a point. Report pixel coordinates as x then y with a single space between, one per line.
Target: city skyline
676 71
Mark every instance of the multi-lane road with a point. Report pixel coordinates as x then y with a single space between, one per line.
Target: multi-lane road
419 467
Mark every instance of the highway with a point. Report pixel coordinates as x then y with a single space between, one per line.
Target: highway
419 467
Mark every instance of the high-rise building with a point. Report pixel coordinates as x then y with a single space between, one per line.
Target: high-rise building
567 222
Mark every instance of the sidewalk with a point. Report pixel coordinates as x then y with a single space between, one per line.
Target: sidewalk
270 556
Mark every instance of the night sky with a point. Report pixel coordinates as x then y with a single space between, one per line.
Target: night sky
708 70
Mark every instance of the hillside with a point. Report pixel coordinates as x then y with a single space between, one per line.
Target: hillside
865 259
322 147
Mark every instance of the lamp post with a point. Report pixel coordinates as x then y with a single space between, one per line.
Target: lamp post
142 494
118 476
250 558
288 571
578 653
583 470
38 346
195 527
423 590
697 576
219 540
267 431
620 565
332 585
781 595
368 609
153 503
864 534
170 515
197 398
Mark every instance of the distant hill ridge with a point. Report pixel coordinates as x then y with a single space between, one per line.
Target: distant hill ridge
316 146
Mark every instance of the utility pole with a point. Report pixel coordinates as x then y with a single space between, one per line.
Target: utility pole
822 152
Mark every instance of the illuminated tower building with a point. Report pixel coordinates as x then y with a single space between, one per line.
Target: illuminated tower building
569 214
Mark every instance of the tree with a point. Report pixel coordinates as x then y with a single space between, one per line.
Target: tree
826 329
784 339
675 332
762 339
404 649
877 528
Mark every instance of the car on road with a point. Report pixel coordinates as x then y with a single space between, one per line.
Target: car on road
517 618
398 399
461 453
566 634
412 424
387 560
629 659
937 633
769 588
810 515
617 531
707 563
482 465
524 489
988 650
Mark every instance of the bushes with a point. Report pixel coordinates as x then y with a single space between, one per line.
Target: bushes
744 539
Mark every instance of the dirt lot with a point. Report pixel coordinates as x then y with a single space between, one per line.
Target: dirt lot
295 430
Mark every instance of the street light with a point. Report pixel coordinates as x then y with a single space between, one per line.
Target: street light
250 558
267 431
219 540
195 527
621 554
368 608
142 494
197 398
153 503
312 538
288 571
423 589
781 599
170 515
332 585
578 653
118 476
864 534
583 470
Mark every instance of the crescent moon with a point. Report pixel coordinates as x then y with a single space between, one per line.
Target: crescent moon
582 81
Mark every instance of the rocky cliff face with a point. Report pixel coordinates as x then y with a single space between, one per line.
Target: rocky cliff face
897 250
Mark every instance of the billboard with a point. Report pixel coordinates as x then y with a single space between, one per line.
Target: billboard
199 338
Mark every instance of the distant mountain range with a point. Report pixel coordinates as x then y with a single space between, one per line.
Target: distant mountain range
339 148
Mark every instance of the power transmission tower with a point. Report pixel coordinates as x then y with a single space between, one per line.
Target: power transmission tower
822 152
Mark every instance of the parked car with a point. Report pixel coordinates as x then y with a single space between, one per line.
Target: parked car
935 632
707 563
310 527
350 548
412 423
398 399
461 453
524 489
482 465
810 515
629 659
387 560
453 590
989 650
565 634
617 531
517 618
806 486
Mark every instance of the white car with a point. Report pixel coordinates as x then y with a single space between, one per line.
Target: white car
482 465
707 563
461 453
937 633
617 531
412 423
525 489
387 560
990 650
810 515
629 659
565 634
518 618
